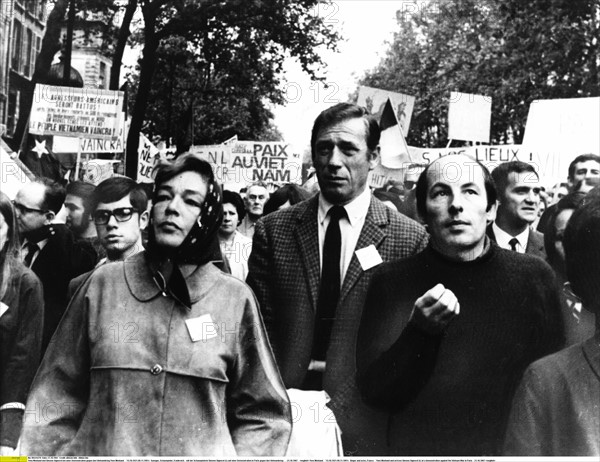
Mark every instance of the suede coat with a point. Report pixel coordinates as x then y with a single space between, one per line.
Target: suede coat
132 372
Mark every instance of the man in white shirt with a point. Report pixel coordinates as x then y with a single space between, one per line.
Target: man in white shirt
518 201
311 264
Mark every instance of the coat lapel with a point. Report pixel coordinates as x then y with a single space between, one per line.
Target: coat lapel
307 237
373 232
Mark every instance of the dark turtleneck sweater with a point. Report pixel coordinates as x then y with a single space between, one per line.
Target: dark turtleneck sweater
449 394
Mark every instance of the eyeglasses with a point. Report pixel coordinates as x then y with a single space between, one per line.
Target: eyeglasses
102 217
23 209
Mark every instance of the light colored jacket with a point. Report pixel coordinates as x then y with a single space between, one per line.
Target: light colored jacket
131 372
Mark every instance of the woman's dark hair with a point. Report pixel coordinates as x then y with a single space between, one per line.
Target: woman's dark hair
233 198
571 201
186 162
288 192
10 253
422 186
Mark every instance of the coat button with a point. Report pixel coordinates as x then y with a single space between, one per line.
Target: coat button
156 369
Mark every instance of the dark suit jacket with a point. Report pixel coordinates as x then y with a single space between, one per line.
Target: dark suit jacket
58 262
535 243
285 275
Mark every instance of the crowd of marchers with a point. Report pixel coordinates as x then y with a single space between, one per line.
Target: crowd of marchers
443 317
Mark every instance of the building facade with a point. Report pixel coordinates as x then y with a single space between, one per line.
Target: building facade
22 24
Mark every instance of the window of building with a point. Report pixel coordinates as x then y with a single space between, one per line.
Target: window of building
102 77
28 53
13 112
16 50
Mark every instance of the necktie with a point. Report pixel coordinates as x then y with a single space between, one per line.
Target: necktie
32 248
513 244
329 290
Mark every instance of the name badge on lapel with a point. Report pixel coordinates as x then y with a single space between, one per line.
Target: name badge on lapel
368 257
202 328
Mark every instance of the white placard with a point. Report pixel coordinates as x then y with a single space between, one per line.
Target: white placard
469 117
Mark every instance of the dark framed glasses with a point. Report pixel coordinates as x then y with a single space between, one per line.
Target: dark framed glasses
24 209
102 217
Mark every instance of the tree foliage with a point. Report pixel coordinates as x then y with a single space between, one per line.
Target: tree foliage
220 64
510 50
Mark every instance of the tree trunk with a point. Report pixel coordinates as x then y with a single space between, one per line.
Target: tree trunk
115 70
151 41
50 45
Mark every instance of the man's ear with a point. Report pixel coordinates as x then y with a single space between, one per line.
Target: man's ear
491 213
144 219
50 216
375 156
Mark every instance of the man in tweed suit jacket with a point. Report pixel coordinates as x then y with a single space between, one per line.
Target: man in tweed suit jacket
285 268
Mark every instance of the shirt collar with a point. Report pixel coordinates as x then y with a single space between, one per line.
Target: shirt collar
356 210
503 238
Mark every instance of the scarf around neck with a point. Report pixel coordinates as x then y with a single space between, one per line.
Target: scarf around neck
200 246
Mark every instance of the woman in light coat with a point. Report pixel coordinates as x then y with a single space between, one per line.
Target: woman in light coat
163 354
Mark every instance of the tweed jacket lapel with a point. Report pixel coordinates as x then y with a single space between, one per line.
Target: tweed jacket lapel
307 236
535 244
371 233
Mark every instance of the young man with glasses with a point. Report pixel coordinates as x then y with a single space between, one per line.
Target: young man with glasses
50 249
119 212
118 208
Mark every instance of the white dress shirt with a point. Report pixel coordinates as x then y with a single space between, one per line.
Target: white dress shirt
350 227
503 238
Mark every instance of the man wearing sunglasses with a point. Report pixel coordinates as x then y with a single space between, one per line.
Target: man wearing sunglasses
118 209
50 249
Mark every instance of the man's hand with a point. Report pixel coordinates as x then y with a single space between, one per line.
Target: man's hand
435 309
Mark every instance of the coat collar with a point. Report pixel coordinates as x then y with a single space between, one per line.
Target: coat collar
143 288
591 351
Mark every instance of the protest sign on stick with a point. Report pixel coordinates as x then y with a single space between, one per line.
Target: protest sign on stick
469 117
76 112
148 154
375 99
558 130
394 152
238 164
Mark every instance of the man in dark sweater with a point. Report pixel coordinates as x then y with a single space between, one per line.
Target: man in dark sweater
447 333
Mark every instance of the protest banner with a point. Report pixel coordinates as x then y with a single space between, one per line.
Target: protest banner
375 99
76 112
63 144
148 155
395 155
241 163
558 130
469 117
